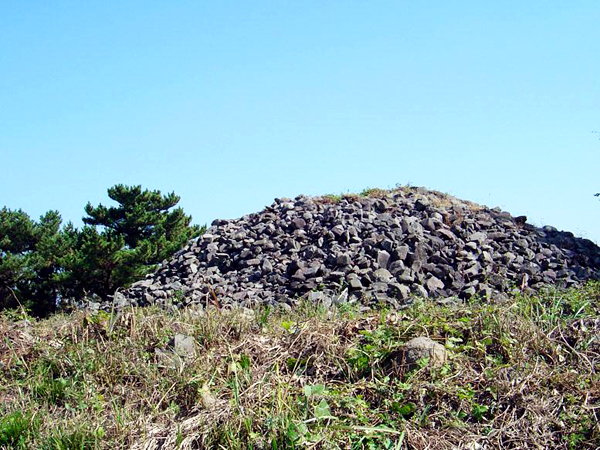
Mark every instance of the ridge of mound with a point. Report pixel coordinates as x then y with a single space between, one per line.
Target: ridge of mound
386 247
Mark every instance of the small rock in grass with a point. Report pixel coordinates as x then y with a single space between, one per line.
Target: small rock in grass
420 348
184 346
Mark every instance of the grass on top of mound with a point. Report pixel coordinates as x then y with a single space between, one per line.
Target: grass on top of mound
438 199
518 375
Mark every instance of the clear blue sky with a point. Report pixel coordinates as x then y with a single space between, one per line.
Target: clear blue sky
233 103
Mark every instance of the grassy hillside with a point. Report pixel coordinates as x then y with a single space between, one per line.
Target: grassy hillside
518 375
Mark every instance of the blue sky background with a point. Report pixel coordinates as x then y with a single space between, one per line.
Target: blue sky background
231 104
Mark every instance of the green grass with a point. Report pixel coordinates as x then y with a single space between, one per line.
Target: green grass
16 430
521 374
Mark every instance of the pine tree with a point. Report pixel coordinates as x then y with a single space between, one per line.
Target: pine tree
134 236
43 264
30 261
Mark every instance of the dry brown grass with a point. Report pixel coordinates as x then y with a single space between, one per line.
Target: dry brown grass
519 375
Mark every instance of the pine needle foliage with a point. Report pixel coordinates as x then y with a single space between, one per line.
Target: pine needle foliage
44 264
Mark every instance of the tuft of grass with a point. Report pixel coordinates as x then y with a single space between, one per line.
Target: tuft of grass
437 199
521 374
330 199
374 192
16 429
73 439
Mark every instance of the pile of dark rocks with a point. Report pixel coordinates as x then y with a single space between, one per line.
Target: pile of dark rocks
386 247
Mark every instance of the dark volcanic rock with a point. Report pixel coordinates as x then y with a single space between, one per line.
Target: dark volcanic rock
411 241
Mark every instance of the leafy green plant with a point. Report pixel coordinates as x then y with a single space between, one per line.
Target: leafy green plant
17 429
376 345
479 411
332 382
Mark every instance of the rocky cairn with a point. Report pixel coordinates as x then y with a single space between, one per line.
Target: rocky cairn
386 247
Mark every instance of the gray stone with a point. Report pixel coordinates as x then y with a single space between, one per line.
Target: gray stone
342 297
445 233
420 291
383 258
252 262
422 203
406 276
484 290
184 346
423 350
474 270
401 252
295 246
299 223
355 284
379 286
267 267
434 284
479 236
410 226
396 267
472 246
181 349
337 230
343 259
403 291
387 245
383 275
310 272
428 224
315 297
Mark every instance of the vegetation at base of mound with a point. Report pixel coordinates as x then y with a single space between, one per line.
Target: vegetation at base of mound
44 264
521 374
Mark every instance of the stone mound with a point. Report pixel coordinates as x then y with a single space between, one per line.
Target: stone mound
387 247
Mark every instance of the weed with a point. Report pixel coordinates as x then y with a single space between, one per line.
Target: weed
518 374
374 192
330 199
17 430
78 439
